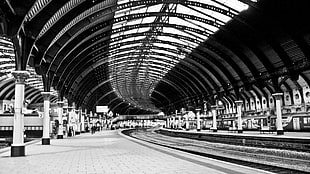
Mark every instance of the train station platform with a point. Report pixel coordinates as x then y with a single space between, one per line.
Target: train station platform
112 153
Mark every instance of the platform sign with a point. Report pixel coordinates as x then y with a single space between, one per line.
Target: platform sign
102 109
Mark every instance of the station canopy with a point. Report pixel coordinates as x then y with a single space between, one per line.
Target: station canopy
148 56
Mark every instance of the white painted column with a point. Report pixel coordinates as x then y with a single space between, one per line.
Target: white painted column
18 146
173 122
179 122
239 105
78 121
168 123
46 119
278 97
176 120
214 115
60 111
82 122
198 120
187 122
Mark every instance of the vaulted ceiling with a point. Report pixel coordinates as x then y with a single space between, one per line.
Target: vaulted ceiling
146 56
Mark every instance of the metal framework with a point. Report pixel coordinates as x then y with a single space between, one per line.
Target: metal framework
149 56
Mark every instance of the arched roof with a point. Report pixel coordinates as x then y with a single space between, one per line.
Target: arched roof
34 85
147 56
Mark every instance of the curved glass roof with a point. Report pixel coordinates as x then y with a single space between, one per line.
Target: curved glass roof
149 40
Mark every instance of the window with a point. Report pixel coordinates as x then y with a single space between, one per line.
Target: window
307 120
297 96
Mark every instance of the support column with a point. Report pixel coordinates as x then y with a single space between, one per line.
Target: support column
60 133
168 123
46 119
239 105
214 114
198 120
78 121
18 146
173 122
278 97
179 122
82 122
187 122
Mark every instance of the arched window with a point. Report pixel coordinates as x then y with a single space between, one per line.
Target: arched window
297 96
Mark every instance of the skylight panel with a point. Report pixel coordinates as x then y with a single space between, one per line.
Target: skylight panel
128 46
148 20
215 3
221 17
144 29
164 45
188 11
200 36
130 31
176 31
122 1
166 58
155 8
139 10
134 22
204 26
163 52
235 4
170 39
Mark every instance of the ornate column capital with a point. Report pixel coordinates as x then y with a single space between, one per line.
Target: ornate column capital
20 76
277 96
46 95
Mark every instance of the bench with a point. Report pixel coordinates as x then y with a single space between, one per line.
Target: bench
231 129
266 129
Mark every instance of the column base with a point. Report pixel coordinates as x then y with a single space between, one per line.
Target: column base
214 130
280 132
198 130
46 141
60 136
187 129
83 132
240 131
17 151
77 133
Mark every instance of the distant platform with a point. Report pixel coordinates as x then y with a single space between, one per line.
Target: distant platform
299 141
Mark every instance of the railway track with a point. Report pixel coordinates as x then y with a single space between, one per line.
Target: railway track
277 161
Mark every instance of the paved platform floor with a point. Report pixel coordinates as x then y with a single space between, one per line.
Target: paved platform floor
109 152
